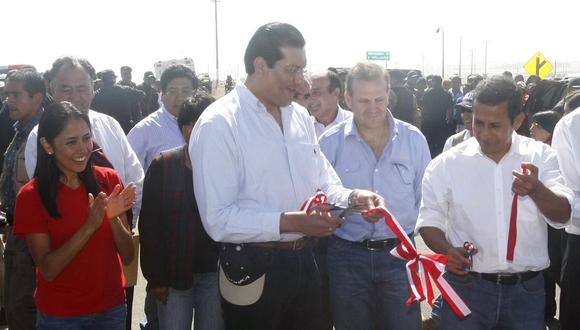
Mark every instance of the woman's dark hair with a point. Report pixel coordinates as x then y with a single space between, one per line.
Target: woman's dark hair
52 122
192 109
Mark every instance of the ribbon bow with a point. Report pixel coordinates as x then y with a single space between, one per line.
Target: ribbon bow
421 268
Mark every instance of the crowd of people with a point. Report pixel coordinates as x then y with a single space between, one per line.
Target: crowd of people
261 209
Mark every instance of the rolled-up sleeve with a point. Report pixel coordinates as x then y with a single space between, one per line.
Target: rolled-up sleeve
434 210
217 178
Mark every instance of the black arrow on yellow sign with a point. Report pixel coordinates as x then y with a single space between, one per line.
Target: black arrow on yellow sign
539 65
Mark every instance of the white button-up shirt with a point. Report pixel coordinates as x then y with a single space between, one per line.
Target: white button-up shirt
110 136
153 134
566 143
469 197
341 116
247 171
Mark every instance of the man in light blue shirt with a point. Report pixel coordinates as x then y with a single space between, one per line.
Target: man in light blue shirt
159 131
377 152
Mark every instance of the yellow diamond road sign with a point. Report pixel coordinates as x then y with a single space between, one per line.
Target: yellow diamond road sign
539 65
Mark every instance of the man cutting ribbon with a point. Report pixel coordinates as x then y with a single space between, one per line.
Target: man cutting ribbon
374 151
468 194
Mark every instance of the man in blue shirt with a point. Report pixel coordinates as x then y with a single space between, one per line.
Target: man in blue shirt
377 152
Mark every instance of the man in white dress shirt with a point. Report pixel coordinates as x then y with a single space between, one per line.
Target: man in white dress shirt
566 143
72 81
468 197
255 162
323 102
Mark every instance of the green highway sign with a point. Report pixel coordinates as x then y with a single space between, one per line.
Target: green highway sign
378 56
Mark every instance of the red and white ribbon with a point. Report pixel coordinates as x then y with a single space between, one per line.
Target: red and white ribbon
421 268
319 198
513 230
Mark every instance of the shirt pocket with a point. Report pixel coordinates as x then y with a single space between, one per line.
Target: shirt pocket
402 177
305 163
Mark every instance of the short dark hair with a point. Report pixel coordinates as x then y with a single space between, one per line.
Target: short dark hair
31 81
192 109
72 62
572 100
499 89
366 71
436 80
334 82
456 79
126 68
52 122
177 71
267 41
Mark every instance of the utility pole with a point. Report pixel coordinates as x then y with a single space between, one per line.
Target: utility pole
440 29
217 60
485 63
460 57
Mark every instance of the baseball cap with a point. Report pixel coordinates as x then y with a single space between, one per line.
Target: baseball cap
242 273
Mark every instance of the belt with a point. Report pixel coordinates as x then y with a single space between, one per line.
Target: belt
506 278
371 244
298 244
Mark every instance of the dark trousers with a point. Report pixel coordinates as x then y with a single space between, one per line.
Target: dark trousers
570 284
19 285
290 299
320 253
552 274
129 304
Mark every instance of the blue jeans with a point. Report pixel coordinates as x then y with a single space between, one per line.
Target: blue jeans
369 289
111 319
496 306
203 297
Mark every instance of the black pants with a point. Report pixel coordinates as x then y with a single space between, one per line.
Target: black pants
552 275
570 285
19 285
291 296
320 257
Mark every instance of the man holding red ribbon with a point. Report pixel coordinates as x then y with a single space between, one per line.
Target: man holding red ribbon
369 287
256 160
468 196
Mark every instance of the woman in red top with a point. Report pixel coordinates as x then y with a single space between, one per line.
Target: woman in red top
72 215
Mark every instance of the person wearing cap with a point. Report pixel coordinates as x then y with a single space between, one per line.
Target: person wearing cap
437 114
543 124
405 106
465 107
151 101
127 77
566 143
468 196
323 102
541 130
118 101
571 102
256 161
378 152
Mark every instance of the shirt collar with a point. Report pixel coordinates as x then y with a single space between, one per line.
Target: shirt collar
19 128
350 128
473 147
246 95
168 114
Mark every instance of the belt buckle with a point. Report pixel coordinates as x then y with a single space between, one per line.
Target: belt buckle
500 277
370 248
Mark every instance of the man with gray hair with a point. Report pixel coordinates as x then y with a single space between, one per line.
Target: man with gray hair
374 151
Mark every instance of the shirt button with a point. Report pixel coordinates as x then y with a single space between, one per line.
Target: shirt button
376 170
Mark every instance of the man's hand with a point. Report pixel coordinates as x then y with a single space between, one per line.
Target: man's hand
457 262
160 294
317 222
528 183
367 200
